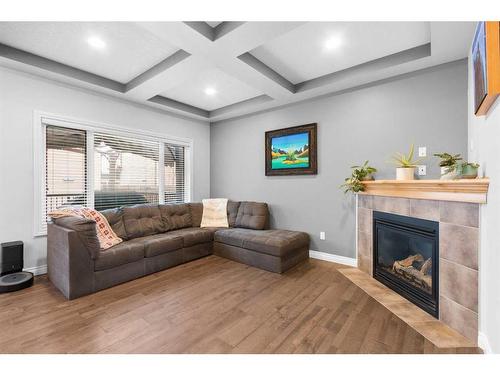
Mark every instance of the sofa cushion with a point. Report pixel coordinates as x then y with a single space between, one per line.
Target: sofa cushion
123 253
232 212
196 213
115 219
274 242
160 243
194 236
142 220
176 216
252 215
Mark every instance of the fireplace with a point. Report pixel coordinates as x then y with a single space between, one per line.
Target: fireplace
406 259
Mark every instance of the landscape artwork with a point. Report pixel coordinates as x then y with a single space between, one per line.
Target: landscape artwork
291 151
479 66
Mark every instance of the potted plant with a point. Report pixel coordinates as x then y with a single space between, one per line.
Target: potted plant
359 173
448 165
353 185
363 172
405 165
468 170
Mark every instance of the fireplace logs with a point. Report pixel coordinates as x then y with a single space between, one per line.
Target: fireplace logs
415 270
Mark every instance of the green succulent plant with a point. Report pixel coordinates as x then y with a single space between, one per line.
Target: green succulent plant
405 161
473 165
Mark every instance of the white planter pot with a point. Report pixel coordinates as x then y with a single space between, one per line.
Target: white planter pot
445 175
405 173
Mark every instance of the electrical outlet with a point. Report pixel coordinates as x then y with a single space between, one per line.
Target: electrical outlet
322 236
422 152
422 170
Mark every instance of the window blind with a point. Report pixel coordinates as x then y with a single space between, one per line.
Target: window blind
125 171
174 170
65 169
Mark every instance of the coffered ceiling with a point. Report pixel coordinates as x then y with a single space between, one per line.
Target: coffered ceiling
218 70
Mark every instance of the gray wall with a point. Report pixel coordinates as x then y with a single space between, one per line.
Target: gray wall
428 109
20 95
484 138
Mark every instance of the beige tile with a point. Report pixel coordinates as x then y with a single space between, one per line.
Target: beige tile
400 206
459 284
365 243
365 220
441 335
424 209
408 312
365 201
459 318
459 213
459 244
365 264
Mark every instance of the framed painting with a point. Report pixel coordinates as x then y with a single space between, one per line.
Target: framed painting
292 151
486 65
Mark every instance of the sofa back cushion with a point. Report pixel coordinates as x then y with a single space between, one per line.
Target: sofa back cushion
232 212
115 219
196 213
252 215
176 216
142 220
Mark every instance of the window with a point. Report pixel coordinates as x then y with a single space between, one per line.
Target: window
125 171
173 161
65 172
102 167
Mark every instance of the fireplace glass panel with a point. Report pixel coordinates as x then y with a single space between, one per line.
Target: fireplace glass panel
406 251
406 257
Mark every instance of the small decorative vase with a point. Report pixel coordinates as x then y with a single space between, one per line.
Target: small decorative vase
447 174
405 173
368 178
468 171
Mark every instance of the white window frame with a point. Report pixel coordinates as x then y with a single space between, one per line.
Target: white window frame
42 119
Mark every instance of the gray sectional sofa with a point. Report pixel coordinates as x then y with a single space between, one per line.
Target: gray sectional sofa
157 237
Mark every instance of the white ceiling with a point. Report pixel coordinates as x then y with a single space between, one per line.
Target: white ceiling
130 49
300 55
229 90
254 66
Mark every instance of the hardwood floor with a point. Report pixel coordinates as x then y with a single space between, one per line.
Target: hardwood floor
211 305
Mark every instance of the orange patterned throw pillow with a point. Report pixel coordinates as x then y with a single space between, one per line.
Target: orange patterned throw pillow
105 234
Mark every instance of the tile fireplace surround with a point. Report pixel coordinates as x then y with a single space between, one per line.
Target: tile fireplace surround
458 244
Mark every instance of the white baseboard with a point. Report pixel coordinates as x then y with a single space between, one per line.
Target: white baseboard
484 343
333 258
38 270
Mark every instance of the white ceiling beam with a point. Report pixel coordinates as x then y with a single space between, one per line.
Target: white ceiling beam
221 53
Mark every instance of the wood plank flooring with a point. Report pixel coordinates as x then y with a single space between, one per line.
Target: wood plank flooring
211 305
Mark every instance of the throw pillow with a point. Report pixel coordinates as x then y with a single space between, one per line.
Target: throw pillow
214 213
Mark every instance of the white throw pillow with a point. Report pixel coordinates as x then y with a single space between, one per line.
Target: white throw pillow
214 213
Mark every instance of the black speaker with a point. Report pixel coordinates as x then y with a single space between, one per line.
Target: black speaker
11 257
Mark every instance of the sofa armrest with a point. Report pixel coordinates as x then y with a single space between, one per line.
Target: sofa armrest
86 231
70 264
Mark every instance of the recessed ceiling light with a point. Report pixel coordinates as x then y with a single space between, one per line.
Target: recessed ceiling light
333 42
96 42
210 91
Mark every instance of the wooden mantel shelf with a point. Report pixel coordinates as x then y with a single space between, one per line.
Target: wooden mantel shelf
472 190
